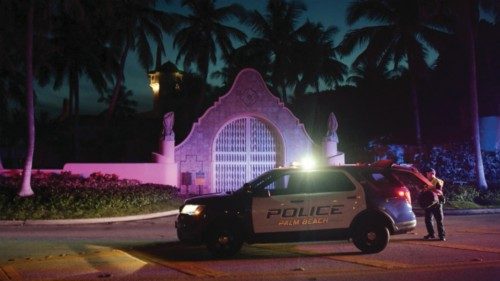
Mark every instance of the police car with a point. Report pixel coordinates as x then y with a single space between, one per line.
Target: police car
363 203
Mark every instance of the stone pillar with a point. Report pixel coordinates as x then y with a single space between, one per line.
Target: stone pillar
166 155
167 150
333 156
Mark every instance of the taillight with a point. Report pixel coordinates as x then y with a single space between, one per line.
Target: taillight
403 192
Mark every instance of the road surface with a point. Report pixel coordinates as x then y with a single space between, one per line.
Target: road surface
149 250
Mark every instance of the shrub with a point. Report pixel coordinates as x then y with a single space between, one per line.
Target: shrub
461 193
490 197
454 163
64 195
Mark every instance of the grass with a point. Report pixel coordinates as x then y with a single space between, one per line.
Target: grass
68 196
463 205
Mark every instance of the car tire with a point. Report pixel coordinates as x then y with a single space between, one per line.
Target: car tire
370 238
224 242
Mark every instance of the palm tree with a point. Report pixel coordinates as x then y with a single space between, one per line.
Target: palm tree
251 55
404 33
125 107
368 75
278 34
33 20
12 73
466 20
132 25
26 189
71 58
78 48
203 30
316 57
35 13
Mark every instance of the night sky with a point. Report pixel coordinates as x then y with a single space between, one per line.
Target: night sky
328 12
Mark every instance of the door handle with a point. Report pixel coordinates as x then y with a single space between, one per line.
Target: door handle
354 197
297 201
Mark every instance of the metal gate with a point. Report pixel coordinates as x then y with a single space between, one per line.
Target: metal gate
243 149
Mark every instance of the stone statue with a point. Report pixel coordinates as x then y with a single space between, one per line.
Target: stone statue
168 124
333 125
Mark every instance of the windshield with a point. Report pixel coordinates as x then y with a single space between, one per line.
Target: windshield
260 181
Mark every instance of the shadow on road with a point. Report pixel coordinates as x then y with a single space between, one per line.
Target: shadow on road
177 251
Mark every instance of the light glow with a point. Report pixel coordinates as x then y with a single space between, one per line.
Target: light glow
156 87
192 210
308 163
154 82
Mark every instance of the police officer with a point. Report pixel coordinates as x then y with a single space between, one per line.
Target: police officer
436 209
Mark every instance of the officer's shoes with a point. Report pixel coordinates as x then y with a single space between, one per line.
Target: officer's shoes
427 237
442 239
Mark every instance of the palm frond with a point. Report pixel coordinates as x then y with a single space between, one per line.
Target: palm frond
373 10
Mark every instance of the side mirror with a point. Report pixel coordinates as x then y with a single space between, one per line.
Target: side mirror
247 188
262 193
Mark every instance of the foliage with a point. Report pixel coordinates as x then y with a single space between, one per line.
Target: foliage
67 196
454 163
125 106
467 196
277 34
463 205
402 35
203 30
461 193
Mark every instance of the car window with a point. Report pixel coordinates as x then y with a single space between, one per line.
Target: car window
381 180
286 184
329 181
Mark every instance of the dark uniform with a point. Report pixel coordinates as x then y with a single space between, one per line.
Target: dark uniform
436 209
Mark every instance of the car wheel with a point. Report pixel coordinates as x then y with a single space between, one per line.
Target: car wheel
370 238
224 242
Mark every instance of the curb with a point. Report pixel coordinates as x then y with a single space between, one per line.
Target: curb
418 212
91 221
461 212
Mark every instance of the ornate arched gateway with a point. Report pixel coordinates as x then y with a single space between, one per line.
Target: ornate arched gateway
245 133
243 149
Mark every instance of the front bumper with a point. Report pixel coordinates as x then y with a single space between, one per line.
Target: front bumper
190 229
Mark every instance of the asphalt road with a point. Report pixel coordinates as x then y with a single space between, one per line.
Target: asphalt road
149 250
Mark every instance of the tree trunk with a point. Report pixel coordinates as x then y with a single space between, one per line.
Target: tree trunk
74 89
469 16
119 83
30 110
414 100
300 88
283 94
71 103
201 98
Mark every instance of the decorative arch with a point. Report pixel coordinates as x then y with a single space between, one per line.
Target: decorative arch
250 99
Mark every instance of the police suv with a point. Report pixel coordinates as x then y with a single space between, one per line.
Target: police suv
365 203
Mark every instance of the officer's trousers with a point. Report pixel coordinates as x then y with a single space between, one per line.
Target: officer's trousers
435 210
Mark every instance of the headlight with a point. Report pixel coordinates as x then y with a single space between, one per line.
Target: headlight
192 210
